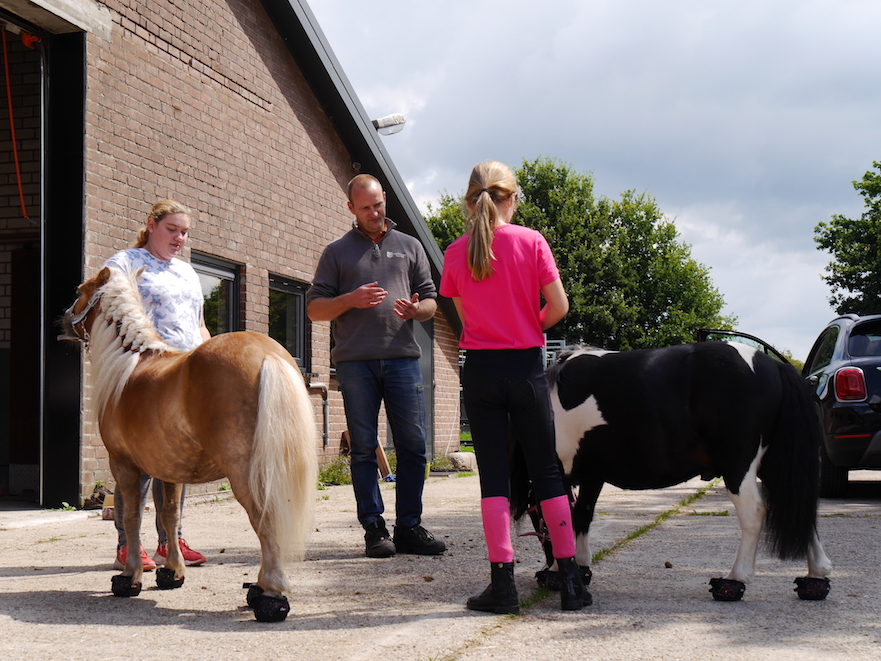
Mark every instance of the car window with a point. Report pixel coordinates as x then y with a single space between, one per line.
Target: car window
865 340
822 355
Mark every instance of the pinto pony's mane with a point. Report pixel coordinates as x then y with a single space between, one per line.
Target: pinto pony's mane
568 352
120 334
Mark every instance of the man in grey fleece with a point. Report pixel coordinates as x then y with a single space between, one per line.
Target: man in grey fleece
374 283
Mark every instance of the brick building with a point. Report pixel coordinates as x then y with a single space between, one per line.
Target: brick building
236 108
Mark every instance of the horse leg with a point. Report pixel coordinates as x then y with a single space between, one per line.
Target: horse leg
266 596
815 586
128 483
172 574
819 565
750 510
582 516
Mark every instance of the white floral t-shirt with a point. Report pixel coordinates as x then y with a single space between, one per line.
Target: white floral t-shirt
171 293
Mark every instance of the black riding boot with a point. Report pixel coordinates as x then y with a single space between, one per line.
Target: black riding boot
501 595
573 594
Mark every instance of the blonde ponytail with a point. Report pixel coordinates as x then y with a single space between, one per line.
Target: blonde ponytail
490 182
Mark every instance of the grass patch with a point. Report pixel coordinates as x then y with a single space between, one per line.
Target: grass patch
441 462
336 472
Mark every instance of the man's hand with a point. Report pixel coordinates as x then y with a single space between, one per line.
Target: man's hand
407 309
368 296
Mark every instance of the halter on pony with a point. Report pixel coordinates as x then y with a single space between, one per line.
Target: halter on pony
78 319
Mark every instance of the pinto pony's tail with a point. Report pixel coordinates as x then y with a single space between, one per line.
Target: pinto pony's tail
790 471
284 462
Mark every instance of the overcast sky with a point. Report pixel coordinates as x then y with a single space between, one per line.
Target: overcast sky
747 121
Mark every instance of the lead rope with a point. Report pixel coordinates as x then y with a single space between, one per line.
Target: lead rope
24 211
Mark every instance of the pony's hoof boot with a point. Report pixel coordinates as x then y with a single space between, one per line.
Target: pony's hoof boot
166 579
812 589
122 586
271 609
725 589
551 579
254 593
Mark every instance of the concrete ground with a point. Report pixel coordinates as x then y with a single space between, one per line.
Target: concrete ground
651 597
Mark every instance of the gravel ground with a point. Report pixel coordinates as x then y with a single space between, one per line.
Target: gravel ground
651 597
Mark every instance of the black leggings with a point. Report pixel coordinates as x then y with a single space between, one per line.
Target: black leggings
506 392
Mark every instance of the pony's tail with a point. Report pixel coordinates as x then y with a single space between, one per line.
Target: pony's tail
790 471
521 496
284 463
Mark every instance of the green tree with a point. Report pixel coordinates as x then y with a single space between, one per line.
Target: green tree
631 283
855 269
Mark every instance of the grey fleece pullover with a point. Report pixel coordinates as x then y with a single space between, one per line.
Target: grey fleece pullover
398 263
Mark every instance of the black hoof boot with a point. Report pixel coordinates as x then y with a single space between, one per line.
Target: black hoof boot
812 589
573 595
501 595
122 586
271 609
726 589
551 579
166 580
254 592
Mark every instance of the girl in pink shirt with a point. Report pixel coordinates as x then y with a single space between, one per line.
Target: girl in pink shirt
496 275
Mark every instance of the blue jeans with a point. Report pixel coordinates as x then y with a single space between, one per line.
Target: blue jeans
398 383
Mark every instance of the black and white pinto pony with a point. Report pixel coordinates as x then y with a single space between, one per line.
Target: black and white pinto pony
655 418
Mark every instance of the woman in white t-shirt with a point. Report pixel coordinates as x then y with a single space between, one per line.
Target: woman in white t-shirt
172 298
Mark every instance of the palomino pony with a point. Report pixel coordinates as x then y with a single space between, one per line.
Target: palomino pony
654 418
235 407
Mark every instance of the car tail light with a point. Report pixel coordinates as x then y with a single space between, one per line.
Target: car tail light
850 384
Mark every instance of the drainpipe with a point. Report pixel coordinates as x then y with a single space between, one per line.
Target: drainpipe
315 386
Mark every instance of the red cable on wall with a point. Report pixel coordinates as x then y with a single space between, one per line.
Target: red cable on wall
24 212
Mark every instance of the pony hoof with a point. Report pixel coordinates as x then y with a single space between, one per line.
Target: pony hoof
122 586
271 609
254 593
166 580
812 589
724 589
551 579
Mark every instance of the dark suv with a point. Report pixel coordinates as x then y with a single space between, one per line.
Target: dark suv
844 369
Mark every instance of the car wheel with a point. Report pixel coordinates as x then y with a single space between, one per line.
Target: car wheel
833 479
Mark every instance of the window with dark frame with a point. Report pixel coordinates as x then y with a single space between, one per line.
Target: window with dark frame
220 289
287 317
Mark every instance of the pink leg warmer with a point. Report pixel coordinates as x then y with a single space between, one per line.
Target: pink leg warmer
496 514
558 518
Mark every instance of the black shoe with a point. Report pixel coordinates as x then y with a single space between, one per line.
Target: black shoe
417 540
573 595
377 540
501 595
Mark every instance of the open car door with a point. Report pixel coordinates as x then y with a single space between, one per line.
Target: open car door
713 335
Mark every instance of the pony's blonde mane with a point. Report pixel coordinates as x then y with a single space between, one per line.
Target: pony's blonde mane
120 334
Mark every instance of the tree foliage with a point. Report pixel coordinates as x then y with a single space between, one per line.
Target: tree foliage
855 269
631 283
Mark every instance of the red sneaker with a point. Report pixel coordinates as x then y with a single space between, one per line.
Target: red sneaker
191 558
122 555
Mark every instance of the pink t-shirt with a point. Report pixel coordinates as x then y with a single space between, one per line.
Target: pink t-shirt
501 312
